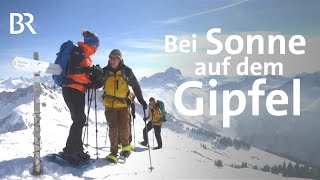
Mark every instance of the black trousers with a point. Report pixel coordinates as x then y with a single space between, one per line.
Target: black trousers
157 132
75 101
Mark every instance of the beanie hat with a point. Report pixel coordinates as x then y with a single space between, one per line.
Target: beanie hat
90 38
152 99
117 53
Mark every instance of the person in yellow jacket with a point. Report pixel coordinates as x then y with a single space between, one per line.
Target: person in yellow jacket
118 78
155 116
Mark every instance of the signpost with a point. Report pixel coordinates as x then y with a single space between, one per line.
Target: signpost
24 64
37 118
37 67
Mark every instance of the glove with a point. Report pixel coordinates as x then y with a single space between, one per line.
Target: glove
96 77
144 104
145 119
133 115
96 83
90 86
96 71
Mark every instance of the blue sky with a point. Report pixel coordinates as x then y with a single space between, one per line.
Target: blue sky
138 27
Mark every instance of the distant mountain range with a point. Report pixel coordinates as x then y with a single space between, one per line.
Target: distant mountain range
297 136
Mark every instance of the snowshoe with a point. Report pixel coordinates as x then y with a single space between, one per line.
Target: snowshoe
119 146
111 158
143 143
76 157
69 160
155 148
132 147
84 156
123 157
125 154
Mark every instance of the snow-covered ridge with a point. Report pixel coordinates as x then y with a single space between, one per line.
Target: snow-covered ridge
15 83
192 145
192 150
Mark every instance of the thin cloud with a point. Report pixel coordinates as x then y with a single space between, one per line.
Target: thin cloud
179 19
151 44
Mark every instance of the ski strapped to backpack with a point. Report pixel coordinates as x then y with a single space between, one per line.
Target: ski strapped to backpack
63 57
163 111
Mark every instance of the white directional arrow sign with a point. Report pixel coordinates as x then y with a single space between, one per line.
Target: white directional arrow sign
24 64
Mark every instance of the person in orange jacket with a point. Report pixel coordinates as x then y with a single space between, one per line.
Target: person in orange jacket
73 90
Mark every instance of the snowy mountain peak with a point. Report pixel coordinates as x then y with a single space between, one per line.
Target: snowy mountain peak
173 71
12 84
170 76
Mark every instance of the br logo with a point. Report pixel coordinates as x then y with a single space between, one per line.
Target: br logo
17 20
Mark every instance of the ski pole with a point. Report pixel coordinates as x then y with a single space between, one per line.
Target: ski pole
86 130
153 137
105 142
96 117
134 133
153 130
87 121
145 123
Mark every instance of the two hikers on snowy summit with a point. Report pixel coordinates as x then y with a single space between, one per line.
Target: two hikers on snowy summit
78 75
